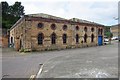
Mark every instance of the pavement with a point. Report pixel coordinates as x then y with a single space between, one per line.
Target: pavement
92 62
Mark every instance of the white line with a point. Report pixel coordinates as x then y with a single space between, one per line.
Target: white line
32 77
38 74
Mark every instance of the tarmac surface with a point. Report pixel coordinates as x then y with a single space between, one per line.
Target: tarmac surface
99 62
92 62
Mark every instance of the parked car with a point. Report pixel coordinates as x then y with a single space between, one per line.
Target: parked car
114 38
106 41
119 39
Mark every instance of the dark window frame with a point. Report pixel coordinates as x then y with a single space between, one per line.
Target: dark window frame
85 29
85 38
64 38
53 38
11 39
40 25
77 28
77 38
40 38
92 29
53 26
99 31
65 27
92 38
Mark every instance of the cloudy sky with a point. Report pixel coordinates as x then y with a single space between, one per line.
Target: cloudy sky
100 11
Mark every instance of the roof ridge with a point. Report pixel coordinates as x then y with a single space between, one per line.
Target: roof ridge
46 16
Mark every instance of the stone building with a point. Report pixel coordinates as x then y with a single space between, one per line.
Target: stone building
115 30
47 32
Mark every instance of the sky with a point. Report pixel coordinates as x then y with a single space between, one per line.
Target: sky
100 11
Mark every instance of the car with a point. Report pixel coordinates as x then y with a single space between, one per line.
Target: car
114 38
106 41
119 39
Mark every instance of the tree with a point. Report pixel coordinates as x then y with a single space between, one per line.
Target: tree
10 14
17 9
109 35
5 8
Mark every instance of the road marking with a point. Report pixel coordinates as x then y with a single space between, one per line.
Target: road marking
32 77
40 71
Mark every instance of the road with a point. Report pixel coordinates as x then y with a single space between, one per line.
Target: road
92 62
97 62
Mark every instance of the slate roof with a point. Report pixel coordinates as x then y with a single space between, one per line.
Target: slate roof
84 21
45 16
56 18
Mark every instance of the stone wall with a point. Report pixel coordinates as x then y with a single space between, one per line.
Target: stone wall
114 30
25 35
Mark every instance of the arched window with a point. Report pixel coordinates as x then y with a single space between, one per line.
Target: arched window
53 26
53 38
64 27
92 38
85 38
20 43
92 29
11 39
64 38
77 27
40 25
85 29
40 38
99 31
77 38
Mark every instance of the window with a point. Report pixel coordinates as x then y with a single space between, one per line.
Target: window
92 29
77 38
20 43
77 27
53 38
99 31
40 25
85 29
11 39
85 38
53 26
65 27
40 38
92 38
64 38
